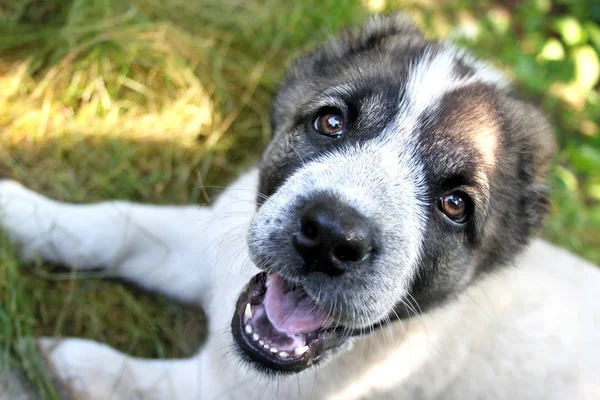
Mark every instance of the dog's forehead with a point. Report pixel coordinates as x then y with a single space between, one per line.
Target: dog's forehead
462 133
446 107
432 105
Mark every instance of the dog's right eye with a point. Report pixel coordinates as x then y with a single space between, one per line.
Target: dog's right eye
329 123
456 206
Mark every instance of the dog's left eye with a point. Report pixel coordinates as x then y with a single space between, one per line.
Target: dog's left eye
330 123
456 206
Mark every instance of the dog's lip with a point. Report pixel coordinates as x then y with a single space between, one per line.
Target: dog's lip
317 342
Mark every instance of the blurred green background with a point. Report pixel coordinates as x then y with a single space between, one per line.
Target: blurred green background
157 100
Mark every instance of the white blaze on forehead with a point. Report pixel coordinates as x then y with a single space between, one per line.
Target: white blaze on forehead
430 78
433 75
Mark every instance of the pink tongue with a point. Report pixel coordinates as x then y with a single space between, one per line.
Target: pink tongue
290 312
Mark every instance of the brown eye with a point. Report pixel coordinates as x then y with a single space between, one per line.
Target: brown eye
455 206
329 124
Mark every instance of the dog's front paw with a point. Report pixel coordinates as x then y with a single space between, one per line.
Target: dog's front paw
89 370
26 217
11 194
9 185
15 201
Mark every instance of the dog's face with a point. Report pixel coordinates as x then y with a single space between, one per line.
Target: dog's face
400 171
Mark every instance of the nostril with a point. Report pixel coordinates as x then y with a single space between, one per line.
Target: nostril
347 253
309 228
332 237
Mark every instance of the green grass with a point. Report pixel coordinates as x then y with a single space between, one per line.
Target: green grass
155 101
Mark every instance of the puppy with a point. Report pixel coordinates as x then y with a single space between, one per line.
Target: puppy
383 249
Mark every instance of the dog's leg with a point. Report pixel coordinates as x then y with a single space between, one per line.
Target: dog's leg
171 250
167 249
130 241
93 370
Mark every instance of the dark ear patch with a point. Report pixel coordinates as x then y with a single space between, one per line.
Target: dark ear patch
530 130
376 32
537 205
397 29
532 138
379 29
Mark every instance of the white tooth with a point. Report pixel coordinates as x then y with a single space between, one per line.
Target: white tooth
283 354
300 350
261 342
247 313
274 350
255 337
248 329
266 346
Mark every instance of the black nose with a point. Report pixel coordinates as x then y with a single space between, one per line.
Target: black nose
332 237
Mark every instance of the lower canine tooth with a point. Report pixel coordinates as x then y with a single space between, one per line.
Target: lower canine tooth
248 329
300 350
283 354
255 337
274 350
247 313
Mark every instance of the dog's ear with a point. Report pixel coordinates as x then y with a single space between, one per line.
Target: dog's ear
536 146
392 30
377 31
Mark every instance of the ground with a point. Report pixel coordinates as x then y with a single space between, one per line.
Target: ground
161 101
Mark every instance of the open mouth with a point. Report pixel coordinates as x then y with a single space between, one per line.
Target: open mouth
278 325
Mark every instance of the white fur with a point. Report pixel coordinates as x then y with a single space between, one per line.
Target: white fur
525 333
365 178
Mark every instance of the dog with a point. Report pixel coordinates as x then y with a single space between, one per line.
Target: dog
385 248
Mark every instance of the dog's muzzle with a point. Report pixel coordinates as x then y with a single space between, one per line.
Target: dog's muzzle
279 327
277 323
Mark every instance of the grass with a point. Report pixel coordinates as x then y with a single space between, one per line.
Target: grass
155 101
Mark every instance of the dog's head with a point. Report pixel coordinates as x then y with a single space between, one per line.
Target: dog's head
400 171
